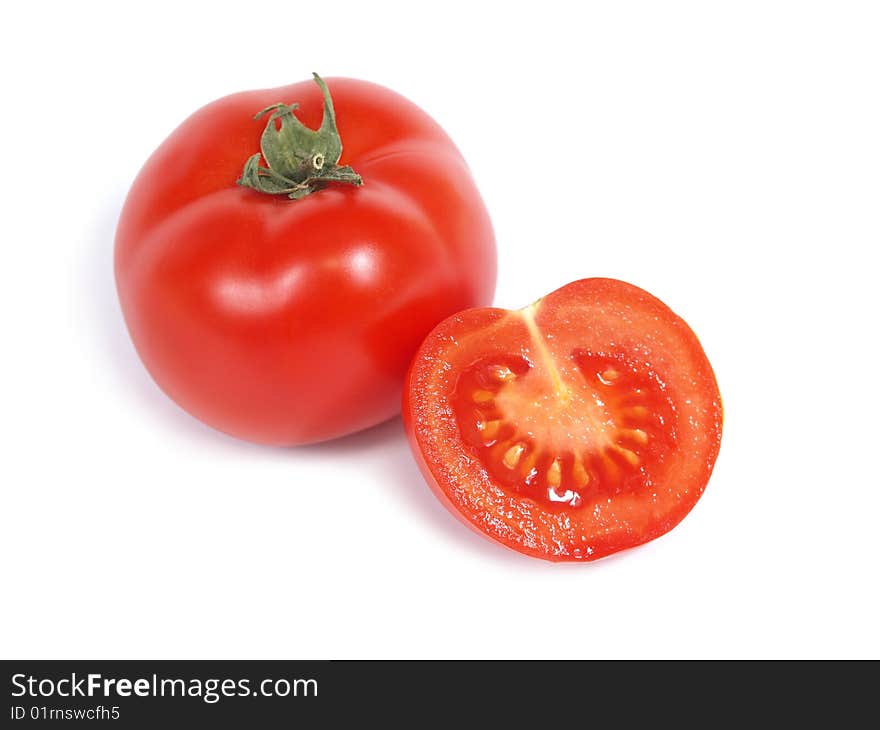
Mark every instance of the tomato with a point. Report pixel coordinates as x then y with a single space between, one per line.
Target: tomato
288 321
584 424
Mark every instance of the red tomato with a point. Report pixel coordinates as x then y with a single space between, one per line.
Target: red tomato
584 424
293 321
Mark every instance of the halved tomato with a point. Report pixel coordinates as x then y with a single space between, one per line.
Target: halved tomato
584 424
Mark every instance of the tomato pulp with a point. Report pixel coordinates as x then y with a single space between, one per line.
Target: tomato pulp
584 424
293 321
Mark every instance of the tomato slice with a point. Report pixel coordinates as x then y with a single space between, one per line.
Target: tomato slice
584 424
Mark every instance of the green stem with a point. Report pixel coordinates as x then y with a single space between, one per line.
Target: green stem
299 160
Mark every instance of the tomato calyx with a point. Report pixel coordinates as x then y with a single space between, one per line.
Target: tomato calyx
299 160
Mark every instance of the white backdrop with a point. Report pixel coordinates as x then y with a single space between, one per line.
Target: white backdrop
724 156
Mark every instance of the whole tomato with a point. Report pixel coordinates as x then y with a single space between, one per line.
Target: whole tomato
277 284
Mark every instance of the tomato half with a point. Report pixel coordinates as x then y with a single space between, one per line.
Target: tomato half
288 321
584 424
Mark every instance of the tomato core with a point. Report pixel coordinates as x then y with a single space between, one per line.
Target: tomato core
551 429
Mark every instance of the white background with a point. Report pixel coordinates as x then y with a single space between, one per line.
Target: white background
724 156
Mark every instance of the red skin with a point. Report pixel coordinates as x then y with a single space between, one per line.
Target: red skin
290 322
603 316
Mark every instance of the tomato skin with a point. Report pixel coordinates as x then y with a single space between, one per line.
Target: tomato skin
596 313
290 322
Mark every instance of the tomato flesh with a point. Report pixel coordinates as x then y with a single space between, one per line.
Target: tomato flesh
584 424
595 433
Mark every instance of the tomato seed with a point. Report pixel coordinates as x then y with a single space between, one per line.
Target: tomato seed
512 455
482 396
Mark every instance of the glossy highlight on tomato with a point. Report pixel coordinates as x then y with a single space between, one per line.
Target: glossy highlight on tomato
587 423
289 321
